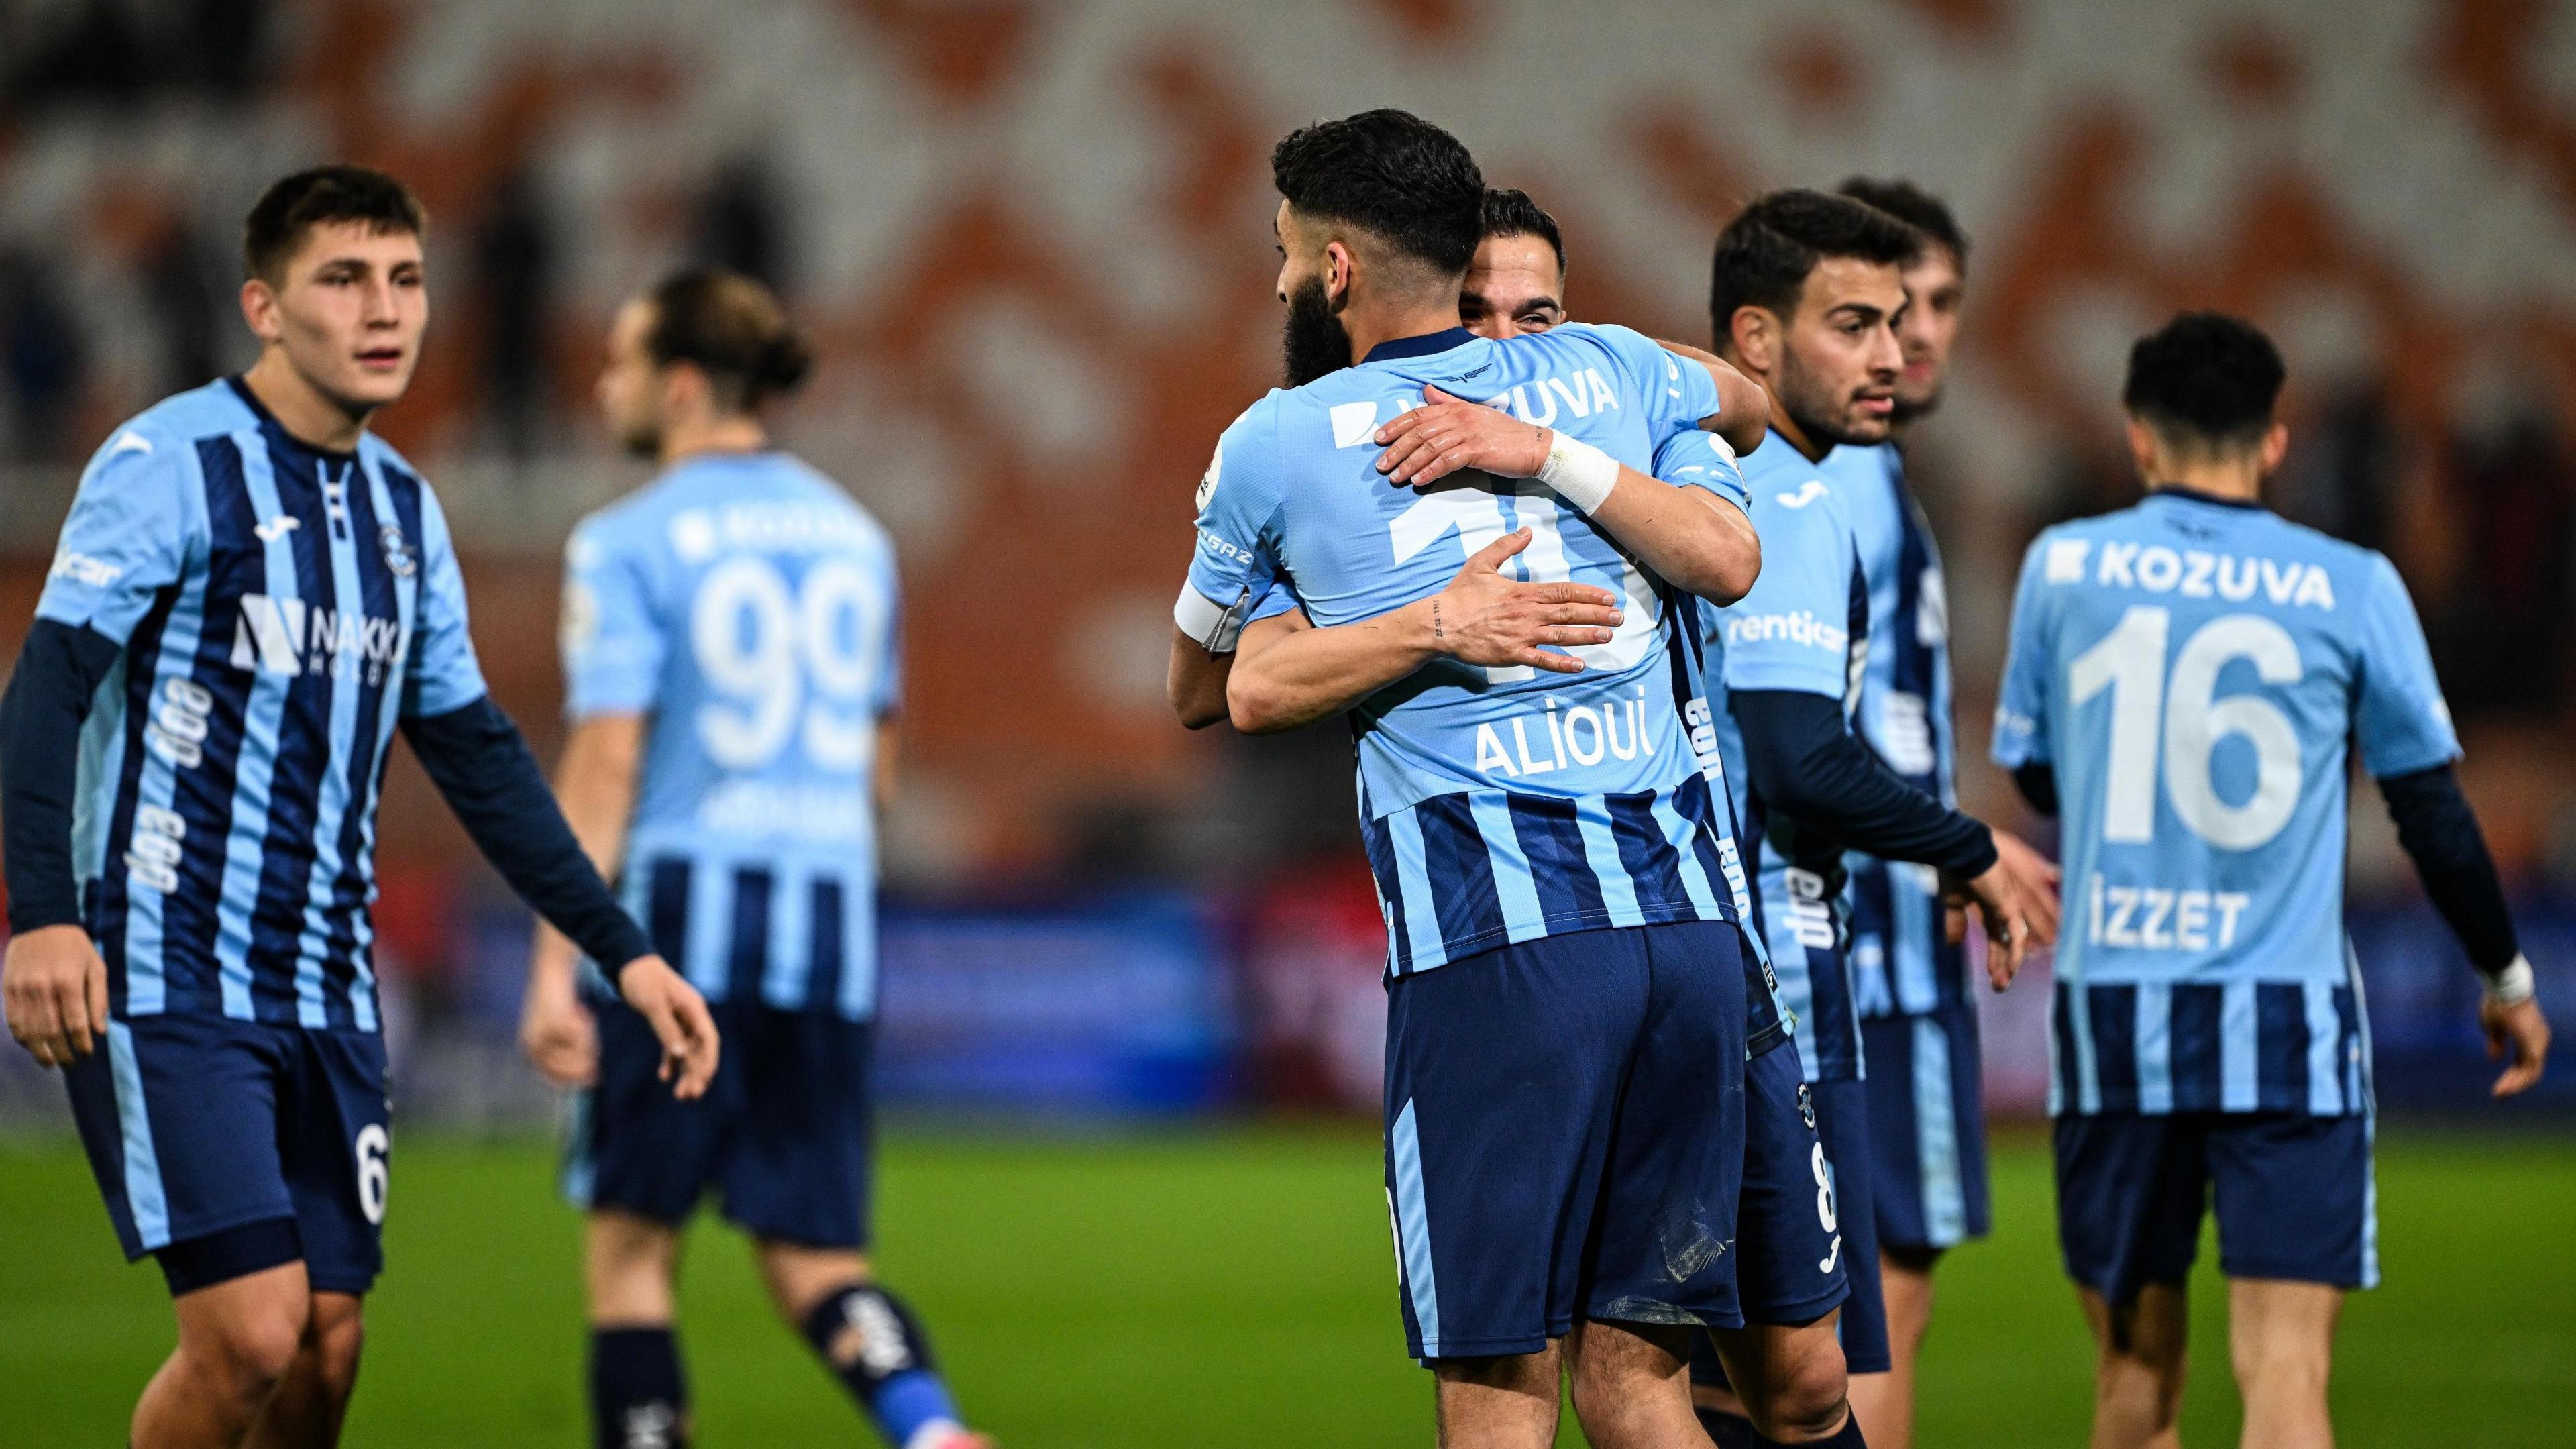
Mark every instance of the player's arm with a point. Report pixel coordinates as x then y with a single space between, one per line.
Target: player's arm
1744 409
135 523
482 766
1803 758
595 785
1289 673
2407 743
1691 538
55 984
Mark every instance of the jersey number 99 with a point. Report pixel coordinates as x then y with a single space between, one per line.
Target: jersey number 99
2130 662
786 661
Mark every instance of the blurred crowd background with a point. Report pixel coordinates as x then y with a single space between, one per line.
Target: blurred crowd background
1031 238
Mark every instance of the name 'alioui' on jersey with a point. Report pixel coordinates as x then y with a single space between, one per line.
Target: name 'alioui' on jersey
2193 668
1497 805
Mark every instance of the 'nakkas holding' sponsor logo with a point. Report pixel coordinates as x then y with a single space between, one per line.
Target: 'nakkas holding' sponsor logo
2192 573
291 637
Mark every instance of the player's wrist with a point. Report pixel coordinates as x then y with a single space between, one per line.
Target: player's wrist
2513 985
1580 473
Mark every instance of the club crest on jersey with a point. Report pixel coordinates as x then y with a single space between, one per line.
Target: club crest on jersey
398 552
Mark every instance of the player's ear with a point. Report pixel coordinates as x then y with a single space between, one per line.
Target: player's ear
1338 267
259 310
2142 446
2276 446
1755 335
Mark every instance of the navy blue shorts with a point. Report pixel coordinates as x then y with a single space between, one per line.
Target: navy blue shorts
2294 1196
1565 1137
1927 1124
196 1126
784 1133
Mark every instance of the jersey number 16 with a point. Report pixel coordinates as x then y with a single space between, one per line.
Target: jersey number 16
2130 662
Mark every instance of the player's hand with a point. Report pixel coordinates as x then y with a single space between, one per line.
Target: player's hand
1426 444
558 1033
55 989
2519 1033
1487 617
679 1018
2016 898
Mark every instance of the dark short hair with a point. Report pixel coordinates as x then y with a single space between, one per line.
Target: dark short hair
1915 207
321 197
1765 253
2205 377
1510 212
1391 174
732 329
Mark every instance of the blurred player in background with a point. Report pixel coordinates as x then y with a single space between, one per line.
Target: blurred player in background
252 593
730 654
1927 1121
2186 679
1807 298
1565 1003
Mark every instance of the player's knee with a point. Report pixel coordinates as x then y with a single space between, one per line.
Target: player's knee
251 1349
1802 1407
2281 1363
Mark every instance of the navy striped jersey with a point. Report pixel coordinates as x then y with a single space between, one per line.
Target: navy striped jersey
282 608
748 606
2195 670
1497 805
1803 627
1903 961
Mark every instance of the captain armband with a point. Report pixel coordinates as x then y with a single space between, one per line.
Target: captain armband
1214 627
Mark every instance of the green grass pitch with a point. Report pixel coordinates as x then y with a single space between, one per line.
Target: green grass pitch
1235 1288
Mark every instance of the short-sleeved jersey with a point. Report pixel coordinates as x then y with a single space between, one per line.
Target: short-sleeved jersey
281 609
1902 961
1497 805
748 606
1803 627
2192 669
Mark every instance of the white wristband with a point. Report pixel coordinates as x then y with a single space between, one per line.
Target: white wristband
1580 473
2513 985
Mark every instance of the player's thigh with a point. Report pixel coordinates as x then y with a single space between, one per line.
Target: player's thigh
179 1118
1669 1201
253 1324
1503 1071
335 1138
800 1170
2294 1199
2131 1189
634 1148
2282 1328
1788 1237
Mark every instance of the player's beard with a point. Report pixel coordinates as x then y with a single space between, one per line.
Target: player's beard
1314 340
1821 411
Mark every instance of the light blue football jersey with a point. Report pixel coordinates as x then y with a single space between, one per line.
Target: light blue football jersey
1497 805
2192 669
1902 959
748 606
1803 627
282 609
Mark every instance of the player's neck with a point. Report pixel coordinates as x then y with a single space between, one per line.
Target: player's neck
2235 482
303 410
725 435
1372 322
1798 437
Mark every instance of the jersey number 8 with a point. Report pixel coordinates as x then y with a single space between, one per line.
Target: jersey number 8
763 645
2130 662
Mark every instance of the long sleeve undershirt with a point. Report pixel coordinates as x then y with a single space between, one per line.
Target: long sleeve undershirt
1807 764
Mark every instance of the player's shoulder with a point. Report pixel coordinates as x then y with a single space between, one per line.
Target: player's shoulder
852 522
164 436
